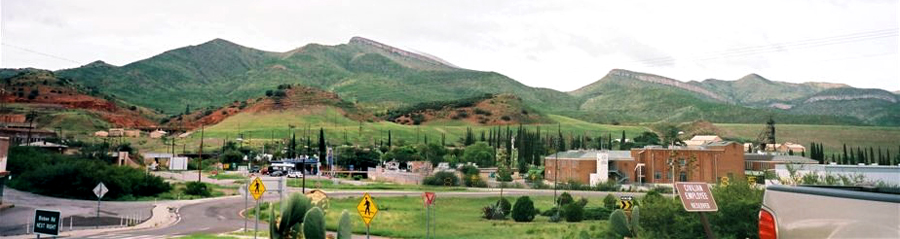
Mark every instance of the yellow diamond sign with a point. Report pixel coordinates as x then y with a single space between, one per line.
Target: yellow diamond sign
256 188
367 209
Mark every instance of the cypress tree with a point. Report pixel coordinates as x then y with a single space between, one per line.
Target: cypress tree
871 156
389 140
323 150
846 157
622 142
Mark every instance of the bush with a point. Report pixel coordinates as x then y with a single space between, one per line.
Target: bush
474 181
505 206
469 170
573 212
549 212
442 179
345 227
492 212
41 172
597 213
565 198
314 224
197 189
523 210
610 201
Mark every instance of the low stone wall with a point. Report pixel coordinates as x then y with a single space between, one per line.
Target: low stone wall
379 174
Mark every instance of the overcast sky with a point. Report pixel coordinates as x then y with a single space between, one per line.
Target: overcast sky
555 44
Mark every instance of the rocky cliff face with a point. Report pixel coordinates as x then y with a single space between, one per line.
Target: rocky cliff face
850 97
666 81
397 51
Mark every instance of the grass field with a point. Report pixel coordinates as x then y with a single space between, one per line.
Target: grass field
404 217
833 137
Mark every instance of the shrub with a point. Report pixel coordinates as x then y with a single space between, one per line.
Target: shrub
523 210
442 179
469 170
345 227
492 212
504 205
549 212
198 189
314 224
565 198
573 212
474 181
610 201
582 202
505 118
597 213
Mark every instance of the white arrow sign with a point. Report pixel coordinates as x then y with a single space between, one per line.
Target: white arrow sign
100 190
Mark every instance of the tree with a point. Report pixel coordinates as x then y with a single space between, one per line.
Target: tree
402 154
479 153
432 152
622 141
322 147
646 138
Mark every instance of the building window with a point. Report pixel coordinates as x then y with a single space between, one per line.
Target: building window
668 175
683 177
682 162
657 175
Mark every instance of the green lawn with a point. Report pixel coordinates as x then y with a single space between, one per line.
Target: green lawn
832 136
404 217
329 184
227 176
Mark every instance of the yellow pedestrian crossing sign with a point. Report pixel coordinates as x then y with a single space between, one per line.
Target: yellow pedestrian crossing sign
256 188
367 209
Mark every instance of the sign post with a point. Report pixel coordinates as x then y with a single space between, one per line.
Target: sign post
428 198
99 191
367 210
256 188
46 222
696 197
625 203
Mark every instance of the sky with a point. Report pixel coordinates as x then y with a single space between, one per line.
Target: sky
561 45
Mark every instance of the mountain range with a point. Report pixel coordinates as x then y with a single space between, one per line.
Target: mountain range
379 78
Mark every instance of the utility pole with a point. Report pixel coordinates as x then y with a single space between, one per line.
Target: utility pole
200 157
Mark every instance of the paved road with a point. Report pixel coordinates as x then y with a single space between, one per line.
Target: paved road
221 216
13 221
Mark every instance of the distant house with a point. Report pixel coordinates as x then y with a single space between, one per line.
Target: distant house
133 133
790 147
157 134
701 140
21 136
59 148
116 132
102 134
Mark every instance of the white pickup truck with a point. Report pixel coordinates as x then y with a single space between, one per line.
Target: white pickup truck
829 212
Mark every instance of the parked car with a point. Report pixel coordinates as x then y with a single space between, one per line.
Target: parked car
829 212
295 174
276 173
254 169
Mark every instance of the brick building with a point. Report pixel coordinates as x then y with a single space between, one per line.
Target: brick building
707 163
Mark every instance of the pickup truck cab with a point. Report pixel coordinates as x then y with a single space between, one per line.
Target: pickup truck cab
829 212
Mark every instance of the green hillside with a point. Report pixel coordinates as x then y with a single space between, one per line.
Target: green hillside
218 72
832 137
753 89
618 98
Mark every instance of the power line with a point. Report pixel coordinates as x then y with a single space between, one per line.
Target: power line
43 54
